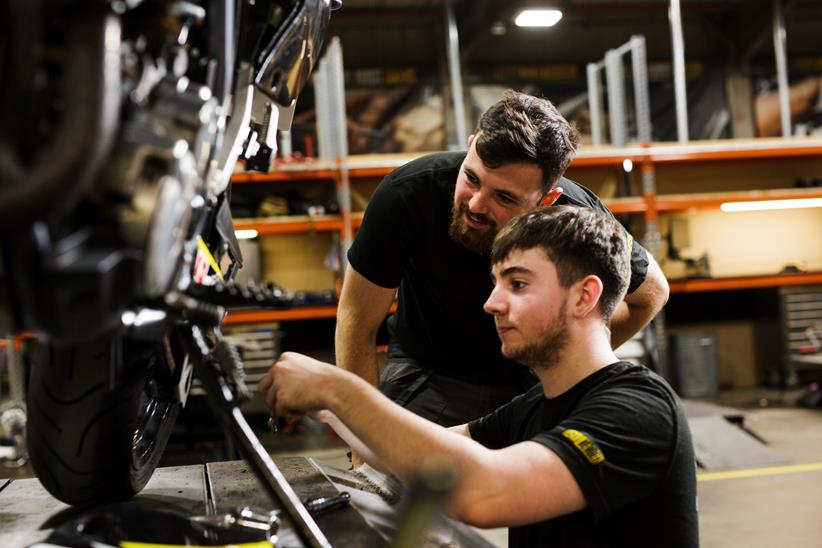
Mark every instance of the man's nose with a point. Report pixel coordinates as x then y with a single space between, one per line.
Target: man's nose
494 305
478 203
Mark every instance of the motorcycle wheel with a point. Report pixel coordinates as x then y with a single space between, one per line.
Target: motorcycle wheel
98 422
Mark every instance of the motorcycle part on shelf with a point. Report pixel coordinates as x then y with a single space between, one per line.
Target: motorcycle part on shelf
100 415
250 295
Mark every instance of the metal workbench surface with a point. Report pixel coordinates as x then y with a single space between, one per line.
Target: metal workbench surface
28 512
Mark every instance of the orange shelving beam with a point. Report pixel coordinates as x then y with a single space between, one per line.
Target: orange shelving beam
744 282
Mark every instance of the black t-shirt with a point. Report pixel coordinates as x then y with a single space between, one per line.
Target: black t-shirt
404 241
624 436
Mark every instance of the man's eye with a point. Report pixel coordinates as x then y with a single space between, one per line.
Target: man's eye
506 200
472 181
516 285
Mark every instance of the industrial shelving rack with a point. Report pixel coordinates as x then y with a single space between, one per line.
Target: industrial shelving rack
649 205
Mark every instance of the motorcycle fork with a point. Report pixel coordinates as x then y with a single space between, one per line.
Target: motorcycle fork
222 400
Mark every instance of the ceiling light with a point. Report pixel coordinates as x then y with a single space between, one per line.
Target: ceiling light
538 18
245 234
627 165
765 205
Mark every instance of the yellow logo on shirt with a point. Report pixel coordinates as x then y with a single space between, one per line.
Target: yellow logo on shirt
585 444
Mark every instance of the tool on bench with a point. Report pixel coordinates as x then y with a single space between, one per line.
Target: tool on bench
323 505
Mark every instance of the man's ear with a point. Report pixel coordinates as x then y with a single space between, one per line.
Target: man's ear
552 196
587 295
470 140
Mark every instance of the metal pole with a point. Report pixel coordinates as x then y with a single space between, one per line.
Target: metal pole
322 102
594 108
337 78
337 88
675 17
286 146
455 75
614 81
779 37
642 103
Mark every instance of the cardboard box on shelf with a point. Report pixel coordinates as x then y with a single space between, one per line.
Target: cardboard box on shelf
296 262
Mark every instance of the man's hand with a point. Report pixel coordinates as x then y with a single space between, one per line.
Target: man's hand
297 384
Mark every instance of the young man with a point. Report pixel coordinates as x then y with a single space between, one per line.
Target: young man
598 454
428 230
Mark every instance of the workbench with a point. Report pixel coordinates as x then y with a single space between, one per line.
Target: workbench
28 513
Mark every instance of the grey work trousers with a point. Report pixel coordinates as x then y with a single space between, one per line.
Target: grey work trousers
443 399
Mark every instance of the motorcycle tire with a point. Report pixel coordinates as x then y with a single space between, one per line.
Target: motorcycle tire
98 422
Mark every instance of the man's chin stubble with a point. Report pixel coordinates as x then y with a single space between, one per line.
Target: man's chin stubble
460 233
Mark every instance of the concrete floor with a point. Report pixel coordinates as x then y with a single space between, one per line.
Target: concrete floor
779 506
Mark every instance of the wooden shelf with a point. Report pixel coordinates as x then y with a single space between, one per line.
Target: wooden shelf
735 149
684 202
619 206
296 224
306 173
292 314
302 224
269 316
744 282
379 165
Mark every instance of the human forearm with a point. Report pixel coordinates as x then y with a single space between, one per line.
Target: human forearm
640 306
355 350
626 321
363 306
400 439
356 444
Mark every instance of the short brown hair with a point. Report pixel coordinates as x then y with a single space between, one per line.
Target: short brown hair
524 128
579 241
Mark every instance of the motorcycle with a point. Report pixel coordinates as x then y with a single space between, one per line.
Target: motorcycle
122 122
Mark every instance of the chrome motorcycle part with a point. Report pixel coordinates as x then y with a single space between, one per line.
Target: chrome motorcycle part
222 400
286 63
177 132
196 311
235 135
13 427
184 384
228 358
249 517
146 324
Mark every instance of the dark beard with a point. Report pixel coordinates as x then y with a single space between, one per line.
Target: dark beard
547 352
478 242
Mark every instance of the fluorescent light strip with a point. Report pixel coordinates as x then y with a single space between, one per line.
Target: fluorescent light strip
538 18
245 234
765 205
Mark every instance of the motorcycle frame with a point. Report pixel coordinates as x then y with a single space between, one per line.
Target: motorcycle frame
30 201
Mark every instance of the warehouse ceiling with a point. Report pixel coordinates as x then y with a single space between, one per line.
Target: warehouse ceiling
400 33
